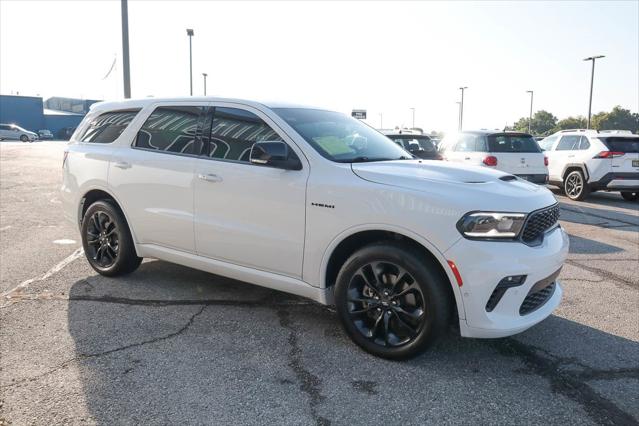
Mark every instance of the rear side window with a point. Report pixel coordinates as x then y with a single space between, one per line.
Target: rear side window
107 127
234 132
512 143
547 143
466 143
621 144
584 144
568 143
415 142
170 129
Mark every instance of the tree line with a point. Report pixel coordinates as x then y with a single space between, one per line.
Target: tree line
544 123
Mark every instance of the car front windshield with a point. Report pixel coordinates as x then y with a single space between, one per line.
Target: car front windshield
341 138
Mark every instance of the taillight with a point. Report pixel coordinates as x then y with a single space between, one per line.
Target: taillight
609 154
64 159
490 161
546 161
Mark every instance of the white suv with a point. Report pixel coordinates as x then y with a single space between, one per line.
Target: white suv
582 161
510 152
315 203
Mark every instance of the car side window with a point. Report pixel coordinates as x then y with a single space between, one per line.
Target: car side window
568 143
3 127
584 143
171 129
107 127
234 131
466 143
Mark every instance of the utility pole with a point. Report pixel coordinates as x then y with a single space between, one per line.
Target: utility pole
413 109
204 75
592 79
531 106
461 108
125 50
190 33
381 121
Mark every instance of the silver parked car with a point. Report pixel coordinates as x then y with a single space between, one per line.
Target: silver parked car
15 132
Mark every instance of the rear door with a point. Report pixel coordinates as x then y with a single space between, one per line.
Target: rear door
562 155
518 154
153 177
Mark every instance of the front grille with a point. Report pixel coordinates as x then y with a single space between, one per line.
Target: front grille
536 299
538 223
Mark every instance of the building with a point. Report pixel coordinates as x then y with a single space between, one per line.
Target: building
55 114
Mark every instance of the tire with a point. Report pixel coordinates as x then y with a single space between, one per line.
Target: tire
575 186
630 196
107 241
388 316
24 138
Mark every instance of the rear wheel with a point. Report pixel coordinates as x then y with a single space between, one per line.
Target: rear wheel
575 186
391 302
630 196
107 241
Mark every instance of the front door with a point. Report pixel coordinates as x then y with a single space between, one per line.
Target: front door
563 154
248 214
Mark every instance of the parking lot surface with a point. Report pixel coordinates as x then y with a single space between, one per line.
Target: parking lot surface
172 345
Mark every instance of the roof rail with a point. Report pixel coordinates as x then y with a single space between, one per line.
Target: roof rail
579 130
616 132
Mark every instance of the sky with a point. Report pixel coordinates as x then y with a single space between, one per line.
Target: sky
385 57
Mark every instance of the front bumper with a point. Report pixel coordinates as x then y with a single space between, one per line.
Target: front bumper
484 264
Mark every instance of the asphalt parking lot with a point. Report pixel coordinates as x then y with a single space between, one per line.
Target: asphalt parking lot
169 345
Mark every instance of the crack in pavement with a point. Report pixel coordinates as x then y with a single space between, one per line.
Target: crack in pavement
604 274
82 357
571 384
309 383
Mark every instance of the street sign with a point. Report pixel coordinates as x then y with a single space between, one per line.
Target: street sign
360 114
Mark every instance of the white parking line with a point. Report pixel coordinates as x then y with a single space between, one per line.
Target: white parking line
58 267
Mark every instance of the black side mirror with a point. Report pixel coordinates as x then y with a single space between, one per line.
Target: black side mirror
274 154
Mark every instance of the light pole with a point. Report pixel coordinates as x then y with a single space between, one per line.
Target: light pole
458 115
381 121
413 109
204 75
190 33
461 108
126 78
531 104
592 79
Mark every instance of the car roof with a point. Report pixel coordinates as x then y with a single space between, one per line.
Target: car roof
493 132
413 135
141 103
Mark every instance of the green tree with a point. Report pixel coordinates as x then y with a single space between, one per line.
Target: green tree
578 122
617 119
542 123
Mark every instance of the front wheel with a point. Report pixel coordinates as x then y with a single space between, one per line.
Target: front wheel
630 196
24 138
392 302
107 241
575 186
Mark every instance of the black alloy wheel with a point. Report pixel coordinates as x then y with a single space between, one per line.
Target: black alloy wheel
392 300
107 241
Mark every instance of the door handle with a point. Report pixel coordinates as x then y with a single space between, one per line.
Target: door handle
209 177
571 156
467 158
122 165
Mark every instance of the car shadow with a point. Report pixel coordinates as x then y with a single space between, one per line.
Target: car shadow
169 344
580 245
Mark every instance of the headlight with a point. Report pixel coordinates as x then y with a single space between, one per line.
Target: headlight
491 225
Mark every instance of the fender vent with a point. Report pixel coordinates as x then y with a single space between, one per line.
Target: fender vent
507 178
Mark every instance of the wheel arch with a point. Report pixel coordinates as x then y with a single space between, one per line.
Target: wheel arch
575 166
343 246
97 194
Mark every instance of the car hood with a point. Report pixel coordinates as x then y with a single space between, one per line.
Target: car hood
482 187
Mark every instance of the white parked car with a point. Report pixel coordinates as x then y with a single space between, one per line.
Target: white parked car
315 203
15 132
511 152
583 161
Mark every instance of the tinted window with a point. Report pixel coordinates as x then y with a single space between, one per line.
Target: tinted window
170 129
3 127
341 138
466 143
621 144
512 143
547 143
107 127
234 131
584 144
568 143
415 143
